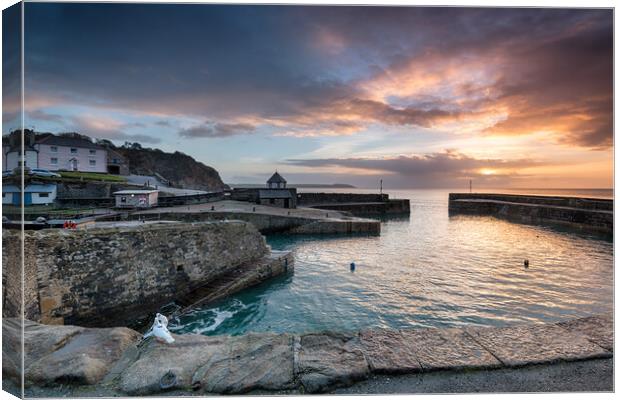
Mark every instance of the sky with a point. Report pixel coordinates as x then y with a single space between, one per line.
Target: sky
417 97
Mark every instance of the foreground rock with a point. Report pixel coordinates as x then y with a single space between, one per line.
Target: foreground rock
326 360
62 354
115 359
219 364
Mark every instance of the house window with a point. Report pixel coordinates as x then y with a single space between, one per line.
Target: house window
54 161
73 150
54 149
92 163
115 161
92 152
44 195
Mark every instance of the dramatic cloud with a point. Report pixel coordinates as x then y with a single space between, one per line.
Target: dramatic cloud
216 130
296 79
428 170
107 128
449 161
311 71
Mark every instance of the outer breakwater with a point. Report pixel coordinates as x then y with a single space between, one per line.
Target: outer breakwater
581 213
306 363
115 275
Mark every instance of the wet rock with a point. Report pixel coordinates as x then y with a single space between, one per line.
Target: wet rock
529 344
251 362
388 352
326 360
598 329
64 353
448 349
159 366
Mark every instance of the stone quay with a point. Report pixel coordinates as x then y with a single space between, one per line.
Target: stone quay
117 275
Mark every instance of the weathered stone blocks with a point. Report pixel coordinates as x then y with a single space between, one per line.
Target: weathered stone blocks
159 366
85 277
388 352
413 350
329 359
251 362
598 329
448 349
531 344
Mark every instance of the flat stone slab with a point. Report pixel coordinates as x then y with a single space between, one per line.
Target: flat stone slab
388 352
414 350
448 349
326 360
158 367
597 329
251 362
532 344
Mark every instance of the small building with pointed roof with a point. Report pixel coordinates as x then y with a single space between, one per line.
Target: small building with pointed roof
276 181
277 194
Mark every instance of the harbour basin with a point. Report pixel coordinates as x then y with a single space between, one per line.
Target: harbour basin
427 269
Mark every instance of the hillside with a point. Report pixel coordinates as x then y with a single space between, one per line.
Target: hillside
180 169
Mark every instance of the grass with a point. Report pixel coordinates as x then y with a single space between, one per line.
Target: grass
91 176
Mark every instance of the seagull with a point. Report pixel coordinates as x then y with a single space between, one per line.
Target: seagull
160 330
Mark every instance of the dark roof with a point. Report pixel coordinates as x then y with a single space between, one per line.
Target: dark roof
69 142
274 194
276 178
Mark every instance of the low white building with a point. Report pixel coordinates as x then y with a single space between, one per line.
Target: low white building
34 194
136 198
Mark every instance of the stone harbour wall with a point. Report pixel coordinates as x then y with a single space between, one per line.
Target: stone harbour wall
109 276
270 223
389 207
306 363
589 214
559 201
304 199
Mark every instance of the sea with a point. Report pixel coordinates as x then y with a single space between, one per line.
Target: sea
427 269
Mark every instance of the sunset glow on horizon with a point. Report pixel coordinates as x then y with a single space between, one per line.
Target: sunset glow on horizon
418 97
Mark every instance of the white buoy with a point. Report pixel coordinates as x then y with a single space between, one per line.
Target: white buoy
159 330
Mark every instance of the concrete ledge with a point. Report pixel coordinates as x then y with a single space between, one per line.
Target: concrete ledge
314 362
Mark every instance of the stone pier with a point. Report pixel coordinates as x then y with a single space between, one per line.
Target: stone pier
268 219
581 213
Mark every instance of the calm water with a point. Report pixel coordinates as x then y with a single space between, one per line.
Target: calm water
428 270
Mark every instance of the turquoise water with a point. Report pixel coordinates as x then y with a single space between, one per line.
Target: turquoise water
427 270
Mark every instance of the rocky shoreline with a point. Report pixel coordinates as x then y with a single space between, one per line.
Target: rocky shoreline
114 361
